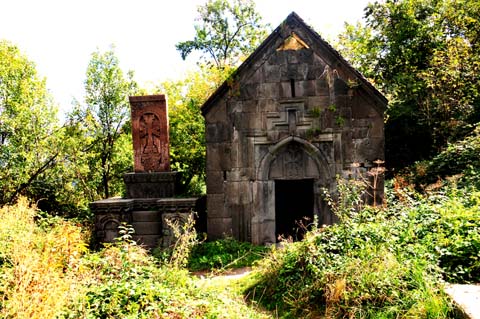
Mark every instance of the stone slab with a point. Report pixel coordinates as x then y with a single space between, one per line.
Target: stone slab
146 216
150 133
151 184
147 228
467 297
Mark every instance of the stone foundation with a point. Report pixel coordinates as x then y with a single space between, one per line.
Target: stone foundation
147 216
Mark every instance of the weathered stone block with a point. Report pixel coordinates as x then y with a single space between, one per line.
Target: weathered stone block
285 89
292 56
217 132
248 91
297 72
238 193
376 128
268 90
360 108
267 105
360 132
150 185
239 122
218 157
317 103
322 88
240 221
249 106
234 106
318 60
216 206
272 73
340 87
268 231
215 181
146 216
305 88
257 77
306 56
278 58
315 72
147 228
219 228
219 115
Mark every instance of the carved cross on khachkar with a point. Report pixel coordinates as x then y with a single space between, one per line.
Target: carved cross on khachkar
150 133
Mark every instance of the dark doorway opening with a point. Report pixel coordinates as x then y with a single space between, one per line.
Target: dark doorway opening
293 207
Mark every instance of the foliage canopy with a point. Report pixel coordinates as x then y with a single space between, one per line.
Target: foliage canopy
101 125
29 128
424 55
228 30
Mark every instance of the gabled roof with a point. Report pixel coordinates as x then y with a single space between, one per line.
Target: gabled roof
294 22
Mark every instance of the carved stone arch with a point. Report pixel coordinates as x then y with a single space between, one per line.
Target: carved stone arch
108 227
263 172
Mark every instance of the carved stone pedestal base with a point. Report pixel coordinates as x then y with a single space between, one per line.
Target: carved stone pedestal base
147 216
151 185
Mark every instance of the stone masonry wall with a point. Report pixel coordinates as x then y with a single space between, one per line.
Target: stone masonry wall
293 112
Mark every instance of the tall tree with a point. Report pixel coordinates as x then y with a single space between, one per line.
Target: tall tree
424 54
228 30
28 125
187 128
101 121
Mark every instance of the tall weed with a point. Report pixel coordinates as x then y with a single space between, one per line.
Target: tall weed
38 269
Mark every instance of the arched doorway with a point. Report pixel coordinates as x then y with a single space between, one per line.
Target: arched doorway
289 185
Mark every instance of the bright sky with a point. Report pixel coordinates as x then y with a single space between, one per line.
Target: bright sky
60 35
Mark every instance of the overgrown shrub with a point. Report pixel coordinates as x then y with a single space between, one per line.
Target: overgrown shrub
46 271
458 159
385 263
38 267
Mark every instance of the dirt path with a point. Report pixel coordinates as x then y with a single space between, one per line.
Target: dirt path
227 274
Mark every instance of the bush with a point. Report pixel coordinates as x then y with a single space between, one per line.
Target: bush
46 271
377 264
38 267
459 159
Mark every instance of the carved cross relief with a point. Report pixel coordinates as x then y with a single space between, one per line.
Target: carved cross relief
150 133
293 162
292 117
150 137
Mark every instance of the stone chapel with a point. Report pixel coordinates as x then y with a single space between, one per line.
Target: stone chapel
293 116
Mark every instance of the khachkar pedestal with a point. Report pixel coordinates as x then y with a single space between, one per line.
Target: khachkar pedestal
151 187
150 134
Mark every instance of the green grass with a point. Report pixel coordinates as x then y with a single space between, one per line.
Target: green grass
224 254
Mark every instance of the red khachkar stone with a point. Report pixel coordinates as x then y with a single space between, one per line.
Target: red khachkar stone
150 133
